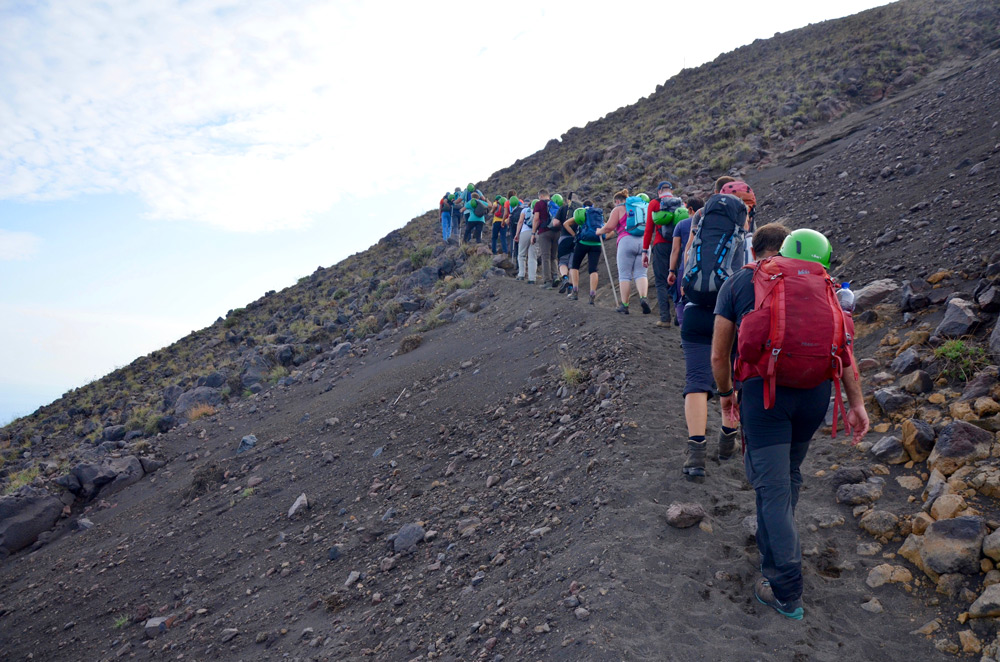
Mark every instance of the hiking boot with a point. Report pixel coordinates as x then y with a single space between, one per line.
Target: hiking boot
622 308
573 296
565 285
531 282
727 445
664 325
677 322
645 306
520 278
694 465
765 595
592 295
548 286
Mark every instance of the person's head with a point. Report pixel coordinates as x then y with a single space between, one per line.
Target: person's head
664 188
694 204
722 181
543 194
742 191
588 203
498 198
621 196
475 196
806 244
510 193
767 240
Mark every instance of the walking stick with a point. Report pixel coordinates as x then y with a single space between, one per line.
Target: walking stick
611 279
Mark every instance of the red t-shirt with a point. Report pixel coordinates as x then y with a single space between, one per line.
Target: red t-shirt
654 205
542 209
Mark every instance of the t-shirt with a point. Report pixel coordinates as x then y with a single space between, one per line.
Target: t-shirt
476 215
683 231
562 216
652 231
542 209
736 297
526 214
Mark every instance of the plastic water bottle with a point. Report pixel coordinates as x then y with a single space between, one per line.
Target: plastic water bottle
846 297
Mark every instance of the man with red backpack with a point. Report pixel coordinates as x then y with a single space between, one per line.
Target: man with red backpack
794 341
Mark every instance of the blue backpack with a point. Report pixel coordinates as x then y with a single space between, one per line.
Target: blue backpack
553 210
635 215
593 222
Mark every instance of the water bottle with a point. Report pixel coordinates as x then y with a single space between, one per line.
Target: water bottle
846 297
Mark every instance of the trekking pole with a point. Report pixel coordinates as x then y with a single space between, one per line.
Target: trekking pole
611 279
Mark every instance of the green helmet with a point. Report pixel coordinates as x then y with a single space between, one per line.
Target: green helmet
514 201
806 244
497 199
534 202
502 200
470 188
558 199
451 196
645 198
580 215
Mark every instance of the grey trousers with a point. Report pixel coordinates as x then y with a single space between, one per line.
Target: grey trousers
660 258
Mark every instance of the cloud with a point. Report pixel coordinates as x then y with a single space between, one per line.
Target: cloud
18 245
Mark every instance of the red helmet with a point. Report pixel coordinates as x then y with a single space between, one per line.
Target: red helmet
742 191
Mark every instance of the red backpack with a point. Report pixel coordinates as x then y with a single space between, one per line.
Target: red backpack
797 334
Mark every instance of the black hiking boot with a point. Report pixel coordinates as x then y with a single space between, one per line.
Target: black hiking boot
694 466
727 445
622 308
645 306
573 295
565 285
592 295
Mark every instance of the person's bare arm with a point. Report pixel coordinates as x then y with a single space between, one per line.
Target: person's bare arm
675 250
857 416
723 337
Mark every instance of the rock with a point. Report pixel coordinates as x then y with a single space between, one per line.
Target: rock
581 614
200 395
888 574
953 545
918 439
920 522
749 525
987 605
879 523
947 506
959 319
860 493
341 350
228 635
970 642
24 515
908 361
977 169
985 407
980 386
995 343
850 475
406 539
890 450
300 503
246 443
108 476
991 545
874 293
154 627
114 433
892 399
937 484
959 444
911 483
917 382
151 465
352 577
913 296
684 515
873 606
988 299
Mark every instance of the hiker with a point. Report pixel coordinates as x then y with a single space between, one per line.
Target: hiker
466 199
478 210
779 419
722 217
627 221
511 217
446 206
567 241
663 215
680 240
584 225
545 235
500 210
527 252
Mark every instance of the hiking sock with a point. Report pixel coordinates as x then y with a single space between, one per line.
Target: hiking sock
694 465
727 442
645 306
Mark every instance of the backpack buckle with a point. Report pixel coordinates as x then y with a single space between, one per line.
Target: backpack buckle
775 352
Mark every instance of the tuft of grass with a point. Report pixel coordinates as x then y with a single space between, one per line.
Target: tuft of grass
246 493
410 343
200 411
277 373
571 375
961 360
120 622
366 327
419 257
19 479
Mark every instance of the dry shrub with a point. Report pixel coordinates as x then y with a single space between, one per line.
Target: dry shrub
410 343
200 411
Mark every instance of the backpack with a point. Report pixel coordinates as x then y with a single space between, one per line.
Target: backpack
593 221
797 334
515 215
635 215
716 251
553 210
672 211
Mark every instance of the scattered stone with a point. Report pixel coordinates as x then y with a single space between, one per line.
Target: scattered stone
959 444
879 523
929 628
873 606
861 493
300 503
908 361
875 292
987 605
888 574
353 577
405 541
947 506
684 515
246 443
890 450
920 522
492 480
991 545
918 439
911 483
581 614
154 627
24 516
228 635
868 548
970 642
985 407
959 319
892 399
953 545
917 382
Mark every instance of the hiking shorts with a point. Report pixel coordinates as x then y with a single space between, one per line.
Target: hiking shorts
698 368
593 254
565 251
630 259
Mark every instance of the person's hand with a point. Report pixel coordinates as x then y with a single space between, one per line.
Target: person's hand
671 279
857 418
730 407
532 238
517 237
645 260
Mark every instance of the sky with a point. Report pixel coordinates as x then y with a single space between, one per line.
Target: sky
165 161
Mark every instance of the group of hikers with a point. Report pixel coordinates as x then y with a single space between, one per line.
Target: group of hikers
763 326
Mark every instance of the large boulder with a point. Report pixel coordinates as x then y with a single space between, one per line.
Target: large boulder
106 477
953 546
200 395
959 319
959 444
114 433
874 293
24 515
254 369
422 279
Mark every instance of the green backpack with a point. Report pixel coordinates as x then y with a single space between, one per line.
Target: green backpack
672 211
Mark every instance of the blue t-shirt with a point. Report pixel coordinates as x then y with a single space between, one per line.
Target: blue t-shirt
682 230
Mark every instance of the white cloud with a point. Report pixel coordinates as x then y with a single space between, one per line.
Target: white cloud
18 245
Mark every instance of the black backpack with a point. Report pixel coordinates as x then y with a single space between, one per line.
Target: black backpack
717 250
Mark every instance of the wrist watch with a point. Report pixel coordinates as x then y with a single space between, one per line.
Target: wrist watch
726 394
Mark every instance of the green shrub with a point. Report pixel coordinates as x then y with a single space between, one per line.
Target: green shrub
961 360
419 257
366 327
